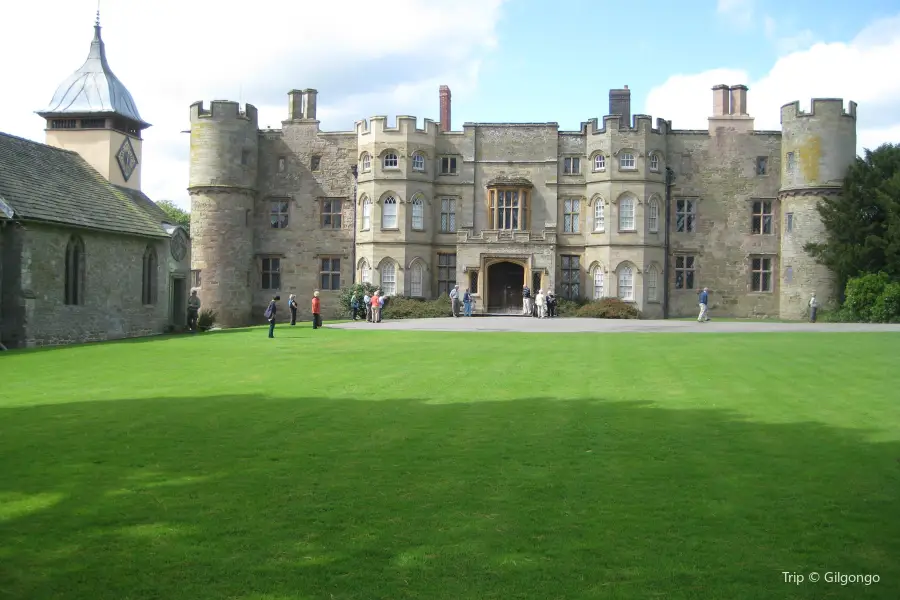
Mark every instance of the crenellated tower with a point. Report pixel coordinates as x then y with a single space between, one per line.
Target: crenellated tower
817 148
223 189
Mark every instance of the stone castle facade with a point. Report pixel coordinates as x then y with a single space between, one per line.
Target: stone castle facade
620 208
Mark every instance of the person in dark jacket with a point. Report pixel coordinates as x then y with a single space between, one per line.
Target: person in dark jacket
270 315
292 304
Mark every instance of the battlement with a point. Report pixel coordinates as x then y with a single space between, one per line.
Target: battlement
641 124
222 110
405 125
820 107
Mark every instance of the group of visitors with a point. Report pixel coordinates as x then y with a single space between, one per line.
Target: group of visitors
372 306
468 302
272 311
541 306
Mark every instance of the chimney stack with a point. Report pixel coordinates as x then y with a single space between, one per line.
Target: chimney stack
445 108
721 100
302 104
739 100
620 104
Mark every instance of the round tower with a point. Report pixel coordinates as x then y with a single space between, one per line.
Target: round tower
223 172
817 148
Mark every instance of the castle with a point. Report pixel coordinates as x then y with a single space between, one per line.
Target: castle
619 208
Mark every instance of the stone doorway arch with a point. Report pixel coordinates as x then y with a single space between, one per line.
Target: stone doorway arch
505 279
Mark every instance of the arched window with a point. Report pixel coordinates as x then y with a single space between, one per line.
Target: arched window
653 216
652 284
626 160
366 162
599 222
416 277
365 273
599 162
626 214
598 282
389 213
388 278
418 162
654 162
391 161
150 271
366 214
418 213
626 284
74 291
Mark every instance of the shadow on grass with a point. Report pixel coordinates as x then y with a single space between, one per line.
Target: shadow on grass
256 497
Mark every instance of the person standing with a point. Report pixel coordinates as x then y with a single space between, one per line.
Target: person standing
376 307
454 301
292 304
317 318
270 315
354 306
526 300
193 311
704 304
813 308
367 300
467 303
540 304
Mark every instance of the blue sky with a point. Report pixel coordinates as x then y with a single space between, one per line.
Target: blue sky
504 60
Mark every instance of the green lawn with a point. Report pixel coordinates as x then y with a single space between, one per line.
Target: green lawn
340 464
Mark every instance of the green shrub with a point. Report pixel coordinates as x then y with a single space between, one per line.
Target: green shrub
206 319
872 298
400 307
608 308
360 289
569 308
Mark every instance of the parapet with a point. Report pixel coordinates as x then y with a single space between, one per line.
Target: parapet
820 107
222 110
405 126
641 124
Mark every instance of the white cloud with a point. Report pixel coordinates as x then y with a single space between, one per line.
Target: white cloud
853 71
739 12
364 58
786 43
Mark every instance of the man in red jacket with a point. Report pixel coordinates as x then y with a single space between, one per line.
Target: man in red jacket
317 318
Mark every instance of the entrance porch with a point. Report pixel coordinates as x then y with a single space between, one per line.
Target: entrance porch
501 280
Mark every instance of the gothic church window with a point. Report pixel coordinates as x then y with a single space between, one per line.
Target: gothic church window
653 216
271 273
446 273
416 277
626 160
626 284
149 276
598 282
685 216
331 213
626 214
418 162
388 278
389 213
571 215
599 163
366 214
418 213
74 280
599 219
448 215
761 219
391 161
278 213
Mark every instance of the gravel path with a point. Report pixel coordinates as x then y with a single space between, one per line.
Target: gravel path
571 325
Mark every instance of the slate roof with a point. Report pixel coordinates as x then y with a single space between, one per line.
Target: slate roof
44 183
144 202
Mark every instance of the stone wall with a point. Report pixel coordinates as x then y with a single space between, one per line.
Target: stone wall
112 307
316 166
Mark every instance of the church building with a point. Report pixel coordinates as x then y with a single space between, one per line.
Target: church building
85 255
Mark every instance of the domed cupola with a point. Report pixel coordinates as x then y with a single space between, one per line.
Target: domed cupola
92 110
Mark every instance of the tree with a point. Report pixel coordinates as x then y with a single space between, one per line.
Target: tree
176 214
862 226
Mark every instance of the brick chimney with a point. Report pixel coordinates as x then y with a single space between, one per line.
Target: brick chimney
620 104
445 108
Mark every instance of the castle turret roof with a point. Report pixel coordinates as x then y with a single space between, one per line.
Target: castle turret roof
94 89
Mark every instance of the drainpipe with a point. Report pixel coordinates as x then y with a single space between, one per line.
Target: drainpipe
670 180
355 173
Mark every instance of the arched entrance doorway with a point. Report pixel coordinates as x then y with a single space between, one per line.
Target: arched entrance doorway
505 281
